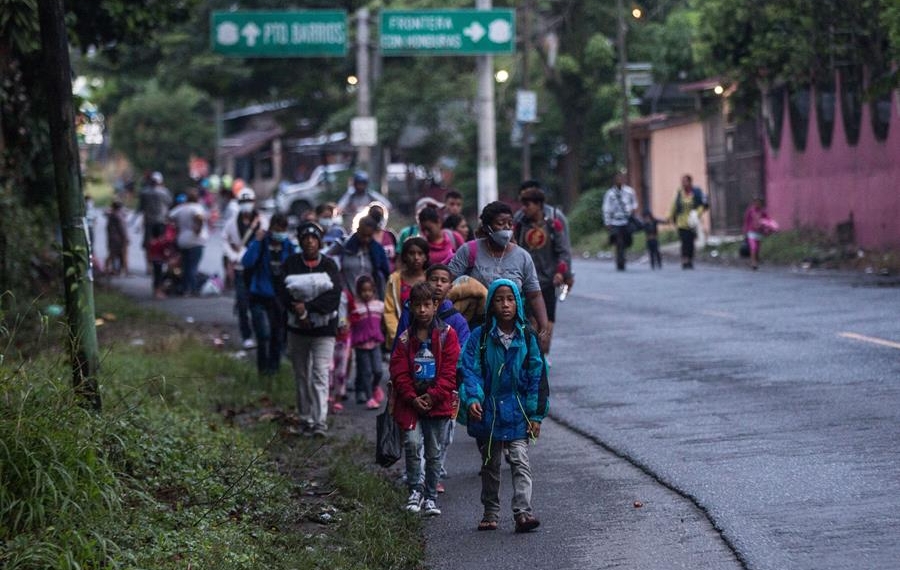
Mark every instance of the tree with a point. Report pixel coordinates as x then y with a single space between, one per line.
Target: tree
159 129
760 44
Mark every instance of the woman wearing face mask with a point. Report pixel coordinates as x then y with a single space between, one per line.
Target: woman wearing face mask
239 231
495 256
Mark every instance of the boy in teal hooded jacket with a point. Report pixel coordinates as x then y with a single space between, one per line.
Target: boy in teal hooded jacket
506 394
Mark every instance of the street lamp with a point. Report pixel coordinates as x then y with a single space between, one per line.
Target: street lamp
502 76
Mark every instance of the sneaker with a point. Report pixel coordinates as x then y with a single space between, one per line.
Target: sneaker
440 487
372 404
378 394
414 502
248 344
430 508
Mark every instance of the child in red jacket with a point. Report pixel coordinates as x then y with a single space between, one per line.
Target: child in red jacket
423 371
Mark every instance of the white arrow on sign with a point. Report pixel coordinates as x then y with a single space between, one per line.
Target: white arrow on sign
251 31
475 31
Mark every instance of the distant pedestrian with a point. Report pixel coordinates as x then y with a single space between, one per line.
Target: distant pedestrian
413 261
547 240
263 264
190 220
686 213
383 234
442 243
506 394
360 254
366 312
312 326
458 224
238 232
340 361
423 372
414 229
116 240
358 197
619 204
651 232
154 201
757 224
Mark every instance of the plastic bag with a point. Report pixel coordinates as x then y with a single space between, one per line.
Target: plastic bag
388 440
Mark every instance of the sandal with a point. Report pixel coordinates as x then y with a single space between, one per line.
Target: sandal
488 524
526 522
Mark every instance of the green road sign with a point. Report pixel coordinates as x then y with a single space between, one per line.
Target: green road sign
447 32
308 33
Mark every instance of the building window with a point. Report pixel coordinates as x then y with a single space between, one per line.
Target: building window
773 113
798 112
851 102
825 101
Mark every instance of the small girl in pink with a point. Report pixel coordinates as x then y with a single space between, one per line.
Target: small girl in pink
366 312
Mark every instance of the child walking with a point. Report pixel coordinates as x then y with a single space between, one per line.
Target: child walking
651 231
440 278
413 260
423 371
366 312
340 360
506 395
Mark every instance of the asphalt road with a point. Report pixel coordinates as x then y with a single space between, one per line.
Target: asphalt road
752 414
771 399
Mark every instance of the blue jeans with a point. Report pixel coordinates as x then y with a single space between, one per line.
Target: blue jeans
269 326
429 431
368 371
190 262
242 304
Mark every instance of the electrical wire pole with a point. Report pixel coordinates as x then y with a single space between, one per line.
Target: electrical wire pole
76 255
623 82
487 130
364 77
526 127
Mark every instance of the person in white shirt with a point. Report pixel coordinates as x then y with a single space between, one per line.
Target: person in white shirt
619 204
190 221
237 233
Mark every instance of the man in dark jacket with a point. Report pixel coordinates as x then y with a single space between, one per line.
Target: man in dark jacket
312 326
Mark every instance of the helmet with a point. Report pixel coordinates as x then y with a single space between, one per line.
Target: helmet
246 195
310 228
361 176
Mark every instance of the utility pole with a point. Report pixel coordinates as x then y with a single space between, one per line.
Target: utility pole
487 129
76 255
364 75
623 82
526 126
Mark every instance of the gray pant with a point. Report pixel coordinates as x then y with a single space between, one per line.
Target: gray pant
428 432
516 453
311 358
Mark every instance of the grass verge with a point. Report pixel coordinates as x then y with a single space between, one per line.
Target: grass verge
192 464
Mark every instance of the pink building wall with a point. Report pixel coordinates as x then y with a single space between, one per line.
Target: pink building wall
820 187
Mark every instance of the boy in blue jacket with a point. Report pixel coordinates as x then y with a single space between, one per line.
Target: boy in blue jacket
506 394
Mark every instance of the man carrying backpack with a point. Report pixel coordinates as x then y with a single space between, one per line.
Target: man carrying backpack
541 230
687 209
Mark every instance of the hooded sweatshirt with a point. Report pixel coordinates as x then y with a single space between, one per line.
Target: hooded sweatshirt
510 383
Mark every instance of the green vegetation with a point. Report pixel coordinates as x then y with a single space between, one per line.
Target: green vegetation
192 465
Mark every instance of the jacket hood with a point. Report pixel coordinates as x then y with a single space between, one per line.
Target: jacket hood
490 320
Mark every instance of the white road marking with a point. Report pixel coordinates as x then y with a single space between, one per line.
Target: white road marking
870 339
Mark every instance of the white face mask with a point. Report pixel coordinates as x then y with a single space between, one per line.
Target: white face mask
501 237
245 207
326 222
